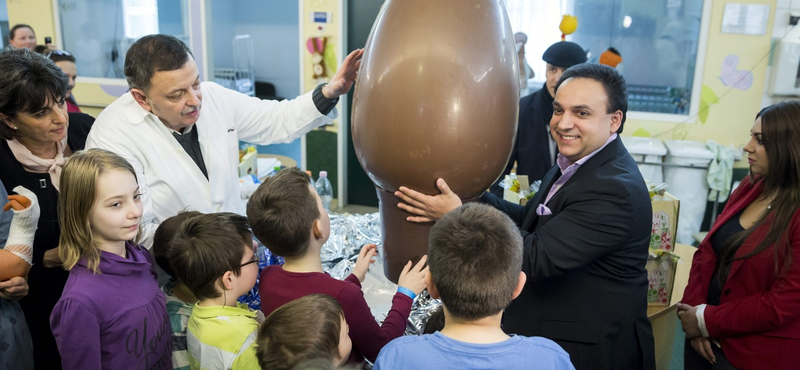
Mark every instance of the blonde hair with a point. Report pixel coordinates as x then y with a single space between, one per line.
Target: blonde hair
78 191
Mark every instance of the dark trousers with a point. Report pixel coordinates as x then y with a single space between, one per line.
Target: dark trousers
693 361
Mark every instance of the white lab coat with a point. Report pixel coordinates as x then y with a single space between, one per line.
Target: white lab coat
168 178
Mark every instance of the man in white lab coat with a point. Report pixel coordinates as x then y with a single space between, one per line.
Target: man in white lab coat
182 135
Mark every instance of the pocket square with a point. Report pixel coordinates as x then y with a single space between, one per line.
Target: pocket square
542 210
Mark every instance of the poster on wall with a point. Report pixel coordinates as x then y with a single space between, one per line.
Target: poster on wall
745 19
320 35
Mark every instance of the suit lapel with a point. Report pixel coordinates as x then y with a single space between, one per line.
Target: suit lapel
612 150
541 195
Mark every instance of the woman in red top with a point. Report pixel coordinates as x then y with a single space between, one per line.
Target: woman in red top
741 308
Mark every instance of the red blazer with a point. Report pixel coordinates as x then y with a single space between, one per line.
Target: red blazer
758 318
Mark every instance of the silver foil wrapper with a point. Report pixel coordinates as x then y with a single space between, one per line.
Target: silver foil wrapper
421 311
348 233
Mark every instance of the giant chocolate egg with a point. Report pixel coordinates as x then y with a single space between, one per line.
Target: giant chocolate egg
437 96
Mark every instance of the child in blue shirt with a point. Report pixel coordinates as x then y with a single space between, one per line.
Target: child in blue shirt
475 259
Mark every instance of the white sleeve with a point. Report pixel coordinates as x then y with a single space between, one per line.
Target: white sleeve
701 321
267 122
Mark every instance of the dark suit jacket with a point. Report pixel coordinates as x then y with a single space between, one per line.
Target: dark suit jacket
587 283
531 150
758 318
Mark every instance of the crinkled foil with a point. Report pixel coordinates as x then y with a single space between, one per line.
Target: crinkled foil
421 310
348 233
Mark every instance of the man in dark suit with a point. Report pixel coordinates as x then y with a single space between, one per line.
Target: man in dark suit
586 232
534 150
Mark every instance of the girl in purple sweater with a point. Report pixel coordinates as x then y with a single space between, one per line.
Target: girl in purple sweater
111 314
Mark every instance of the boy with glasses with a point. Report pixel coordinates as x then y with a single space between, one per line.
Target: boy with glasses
213 255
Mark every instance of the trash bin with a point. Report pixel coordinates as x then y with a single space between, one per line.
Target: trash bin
688 182
647 150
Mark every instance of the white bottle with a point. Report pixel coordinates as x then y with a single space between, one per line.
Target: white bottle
325 190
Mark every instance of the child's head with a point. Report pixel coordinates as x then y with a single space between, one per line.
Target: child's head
286 213
163 236
307 328
99 206
475 259
212 254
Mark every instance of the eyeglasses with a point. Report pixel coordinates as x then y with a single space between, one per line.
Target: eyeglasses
57 52
254 259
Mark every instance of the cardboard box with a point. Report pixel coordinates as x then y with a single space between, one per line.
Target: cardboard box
665 222
248 164
661 277
524 187
664 319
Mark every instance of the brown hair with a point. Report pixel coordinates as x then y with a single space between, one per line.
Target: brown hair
780 135
301 330
151 54
163 238
12 33
28 82
282 211
205 247
475 257
77 193
55 55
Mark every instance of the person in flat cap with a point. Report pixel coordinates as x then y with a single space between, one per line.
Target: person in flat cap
525 71
535 150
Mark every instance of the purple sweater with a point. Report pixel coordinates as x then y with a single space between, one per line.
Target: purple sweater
116 319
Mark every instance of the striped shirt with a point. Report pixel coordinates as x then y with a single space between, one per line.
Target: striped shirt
221 338
179 312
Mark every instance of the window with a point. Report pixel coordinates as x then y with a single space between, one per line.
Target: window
99 32
658 41
141 18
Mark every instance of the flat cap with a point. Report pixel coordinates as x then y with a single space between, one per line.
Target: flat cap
564 54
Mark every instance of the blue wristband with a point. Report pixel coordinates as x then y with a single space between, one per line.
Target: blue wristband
407 292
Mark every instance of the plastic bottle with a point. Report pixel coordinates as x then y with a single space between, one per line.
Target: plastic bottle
325 190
